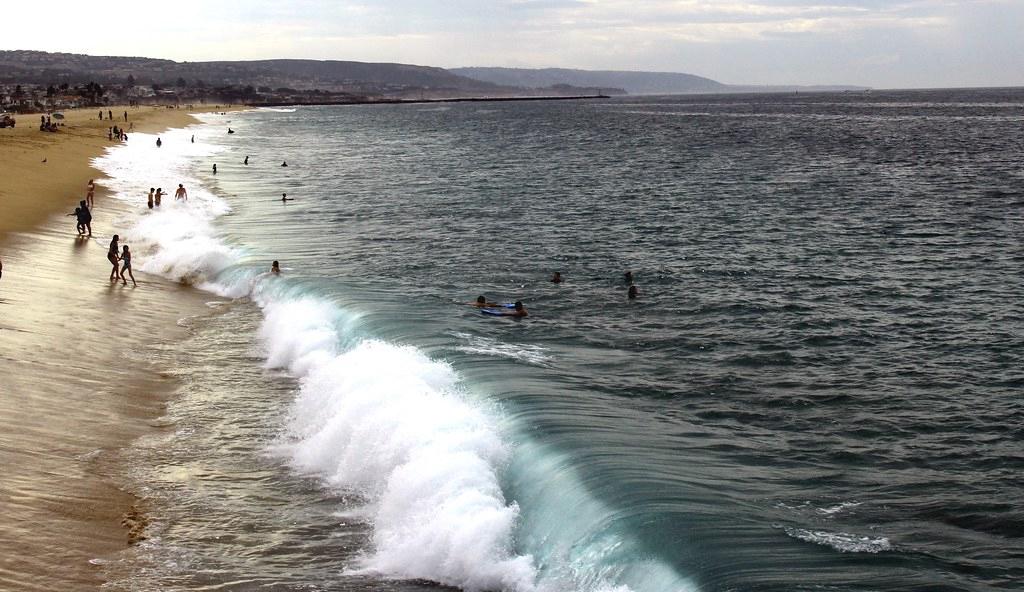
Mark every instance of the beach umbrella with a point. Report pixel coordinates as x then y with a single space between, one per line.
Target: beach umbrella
58 116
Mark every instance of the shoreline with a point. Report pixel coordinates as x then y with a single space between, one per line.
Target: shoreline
429 101
50 169
78 385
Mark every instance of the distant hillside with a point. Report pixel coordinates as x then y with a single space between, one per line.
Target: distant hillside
640 83
47 68
636 83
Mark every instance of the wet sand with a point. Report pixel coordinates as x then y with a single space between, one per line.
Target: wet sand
76 385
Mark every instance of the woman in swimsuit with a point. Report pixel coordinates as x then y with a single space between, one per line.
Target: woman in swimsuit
90 190
112 257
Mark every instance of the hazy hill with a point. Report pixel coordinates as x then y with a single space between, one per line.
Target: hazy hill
632 82
636 83
45 68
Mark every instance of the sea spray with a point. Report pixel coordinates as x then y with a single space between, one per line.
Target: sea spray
387 422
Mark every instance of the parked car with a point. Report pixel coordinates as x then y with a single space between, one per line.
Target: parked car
6 120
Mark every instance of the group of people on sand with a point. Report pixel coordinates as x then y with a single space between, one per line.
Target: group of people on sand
110 115
46 125
116 133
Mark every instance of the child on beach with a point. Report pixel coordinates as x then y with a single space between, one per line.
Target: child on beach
80 226
126 259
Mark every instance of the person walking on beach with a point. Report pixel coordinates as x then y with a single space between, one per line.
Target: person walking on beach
90 190
181 193
126 260
149 201
112 257
86 217
110 115
101 115
156 196
126 116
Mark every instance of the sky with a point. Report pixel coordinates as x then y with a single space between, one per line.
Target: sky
876 43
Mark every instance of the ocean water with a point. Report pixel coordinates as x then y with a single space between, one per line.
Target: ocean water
818 387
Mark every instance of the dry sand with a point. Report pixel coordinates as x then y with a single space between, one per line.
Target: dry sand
75 383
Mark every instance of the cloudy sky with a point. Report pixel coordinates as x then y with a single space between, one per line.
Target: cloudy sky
878 43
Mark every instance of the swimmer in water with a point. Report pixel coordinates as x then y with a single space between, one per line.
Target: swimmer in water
246 161
518 311
284 197
285 163
482 302
275 268
632 293
557 278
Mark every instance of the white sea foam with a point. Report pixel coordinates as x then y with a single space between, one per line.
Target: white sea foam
842 541
475 344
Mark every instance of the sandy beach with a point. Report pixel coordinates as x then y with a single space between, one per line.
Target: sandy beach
77 386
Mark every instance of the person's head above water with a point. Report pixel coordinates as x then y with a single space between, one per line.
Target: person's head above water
557 278
519 305
275 267
481 300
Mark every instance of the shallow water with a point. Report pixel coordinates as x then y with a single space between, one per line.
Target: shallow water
818 387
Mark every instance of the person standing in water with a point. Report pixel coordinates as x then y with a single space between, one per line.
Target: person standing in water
86 217
156 196
112 257
126 259
159 142
149 200
214 168
246 161
180 193
632 293
275 268
90 190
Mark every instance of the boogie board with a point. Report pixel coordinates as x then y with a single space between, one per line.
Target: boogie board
497 312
